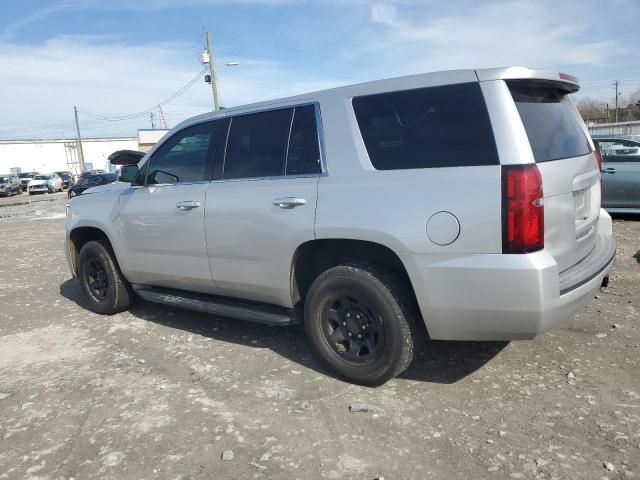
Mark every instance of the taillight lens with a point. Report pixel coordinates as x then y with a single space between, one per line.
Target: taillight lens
522 208
599 160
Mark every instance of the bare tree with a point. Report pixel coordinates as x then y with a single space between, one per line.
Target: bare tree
591 109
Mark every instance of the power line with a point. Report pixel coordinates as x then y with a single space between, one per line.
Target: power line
62 126
51 126
145 112
606 83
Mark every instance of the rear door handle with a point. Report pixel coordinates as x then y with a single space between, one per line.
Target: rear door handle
609 170
187 205
289 202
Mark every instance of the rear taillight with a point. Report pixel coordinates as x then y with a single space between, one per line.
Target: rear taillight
599 160
522 209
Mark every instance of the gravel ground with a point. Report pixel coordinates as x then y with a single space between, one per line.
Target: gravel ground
161 393
25 198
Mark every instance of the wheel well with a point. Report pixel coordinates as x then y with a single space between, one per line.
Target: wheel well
314 257
79 237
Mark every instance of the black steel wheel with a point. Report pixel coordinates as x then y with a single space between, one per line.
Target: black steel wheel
106 290
352 329
97 279
361 323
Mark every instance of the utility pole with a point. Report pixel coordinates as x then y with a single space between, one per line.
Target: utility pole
80 152
162 117
212 71
615 84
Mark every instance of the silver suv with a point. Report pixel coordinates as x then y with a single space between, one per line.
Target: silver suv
463 205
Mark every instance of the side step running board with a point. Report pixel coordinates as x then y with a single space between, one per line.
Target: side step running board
222 306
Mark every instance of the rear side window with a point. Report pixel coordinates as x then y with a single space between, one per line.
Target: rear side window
303 156
550 120
445 126
256 145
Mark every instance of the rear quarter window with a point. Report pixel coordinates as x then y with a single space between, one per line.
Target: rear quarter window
551 121
446 126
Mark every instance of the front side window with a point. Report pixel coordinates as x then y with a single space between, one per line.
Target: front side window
182 158
446 126
256 144
615 150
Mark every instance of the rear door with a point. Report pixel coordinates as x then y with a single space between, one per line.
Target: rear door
565 158
263 204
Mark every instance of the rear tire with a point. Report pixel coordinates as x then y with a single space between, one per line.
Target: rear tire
105 288
361 323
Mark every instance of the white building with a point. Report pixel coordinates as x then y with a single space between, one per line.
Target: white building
46 156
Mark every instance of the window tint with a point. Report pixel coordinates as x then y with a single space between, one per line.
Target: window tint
303 156
614 150
182 158
429 127
256 144
550 120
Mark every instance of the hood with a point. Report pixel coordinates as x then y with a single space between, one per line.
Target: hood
107 187
33 182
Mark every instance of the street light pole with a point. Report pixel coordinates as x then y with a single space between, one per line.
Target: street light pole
212 71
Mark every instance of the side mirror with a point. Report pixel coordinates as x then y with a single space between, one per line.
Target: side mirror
128 173
126 157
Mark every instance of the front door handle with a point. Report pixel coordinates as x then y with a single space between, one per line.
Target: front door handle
289 202
609 170
187 205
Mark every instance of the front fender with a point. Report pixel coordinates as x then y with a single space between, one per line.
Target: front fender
100 212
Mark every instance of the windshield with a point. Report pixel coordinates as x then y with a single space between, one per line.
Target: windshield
93 180
63 175
43 177
4 179
550 120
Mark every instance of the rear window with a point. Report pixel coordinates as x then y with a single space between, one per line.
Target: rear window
445 126
550 120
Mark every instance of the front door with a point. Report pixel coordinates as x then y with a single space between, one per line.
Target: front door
262 205
162 220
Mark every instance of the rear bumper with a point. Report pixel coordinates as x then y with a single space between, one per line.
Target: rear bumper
505 297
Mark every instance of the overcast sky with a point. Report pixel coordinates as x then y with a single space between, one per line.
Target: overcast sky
114 57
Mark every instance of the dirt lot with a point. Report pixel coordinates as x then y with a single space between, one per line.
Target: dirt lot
25 198
160 393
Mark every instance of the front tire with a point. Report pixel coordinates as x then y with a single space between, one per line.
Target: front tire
361 323
105 288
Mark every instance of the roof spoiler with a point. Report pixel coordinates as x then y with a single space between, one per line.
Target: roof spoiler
126 157
563 80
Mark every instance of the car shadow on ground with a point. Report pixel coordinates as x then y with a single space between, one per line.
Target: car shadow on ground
437 362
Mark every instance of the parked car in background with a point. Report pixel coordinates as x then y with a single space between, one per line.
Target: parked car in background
25 178
45 184
10 185
95 171
67 179
90 181
620 173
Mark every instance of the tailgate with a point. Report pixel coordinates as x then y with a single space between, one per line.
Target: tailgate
567 163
